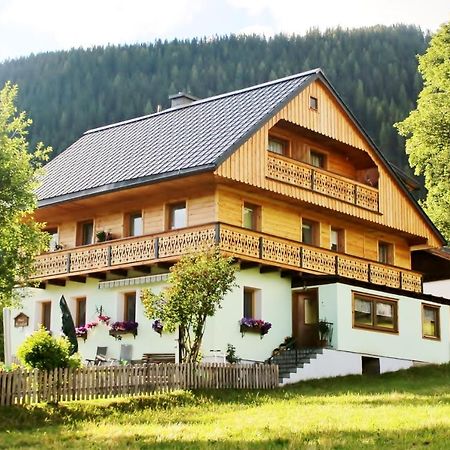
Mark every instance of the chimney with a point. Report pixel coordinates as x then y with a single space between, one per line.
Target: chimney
181 99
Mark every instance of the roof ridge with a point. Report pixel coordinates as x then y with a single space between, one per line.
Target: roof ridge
205 100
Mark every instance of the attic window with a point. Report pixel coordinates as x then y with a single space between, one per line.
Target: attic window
313 103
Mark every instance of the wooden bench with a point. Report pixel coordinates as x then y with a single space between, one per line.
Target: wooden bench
158 358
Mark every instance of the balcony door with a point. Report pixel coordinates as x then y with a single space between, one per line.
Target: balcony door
305 317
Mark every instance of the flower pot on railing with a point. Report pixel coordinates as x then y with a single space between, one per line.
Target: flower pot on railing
118 329
325 330
248 325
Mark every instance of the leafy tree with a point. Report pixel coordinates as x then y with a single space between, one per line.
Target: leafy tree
21 238
197 285
427 129
43 351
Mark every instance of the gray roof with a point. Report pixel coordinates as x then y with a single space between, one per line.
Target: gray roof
177 141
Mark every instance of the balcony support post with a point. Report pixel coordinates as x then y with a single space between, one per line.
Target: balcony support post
156 247
68 262
109 257
261 246
336 265
217 234
369 270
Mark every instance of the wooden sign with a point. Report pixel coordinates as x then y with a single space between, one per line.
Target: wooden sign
21 320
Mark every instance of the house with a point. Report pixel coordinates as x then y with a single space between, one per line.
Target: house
281 176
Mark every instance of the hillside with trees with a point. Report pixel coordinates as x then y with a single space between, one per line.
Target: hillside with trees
67 92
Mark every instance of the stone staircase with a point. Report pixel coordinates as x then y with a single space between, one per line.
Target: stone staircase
290 360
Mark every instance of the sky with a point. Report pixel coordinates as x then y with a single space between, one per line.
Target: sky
33 26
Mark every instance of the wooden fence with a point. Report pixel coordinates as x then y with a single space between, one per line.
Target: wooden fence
21 386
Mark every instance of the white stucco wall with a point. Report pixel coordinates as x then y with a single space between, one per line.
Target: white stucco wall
334 363
335 304
275 307
439 288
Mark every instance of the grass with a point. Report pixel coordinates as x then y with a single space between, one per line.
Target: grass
405 410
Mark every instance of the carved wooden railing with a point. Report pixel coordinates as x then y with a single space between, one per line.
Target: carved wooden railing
318 180
236 241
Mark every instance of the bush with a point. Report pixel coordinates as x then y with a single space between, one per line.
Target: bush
42 351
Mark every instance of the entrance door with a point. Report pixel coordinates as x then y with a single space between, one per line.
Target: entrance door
305 317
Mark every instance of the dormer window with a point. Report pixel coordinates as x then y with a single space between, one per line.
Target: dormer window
278 146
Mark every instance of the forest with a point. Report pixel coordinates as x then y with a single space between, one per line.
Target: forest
67 92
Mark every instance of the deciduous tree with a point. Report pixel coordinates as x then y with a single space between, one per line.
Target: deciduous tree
427 129
197 285
21 238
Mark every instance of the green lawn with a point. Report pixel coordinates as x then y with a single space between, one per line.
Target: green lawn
406 410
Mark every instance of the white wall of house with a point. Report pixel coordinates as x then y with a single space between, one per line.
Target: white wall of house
334 363
439 288
274 305
335 304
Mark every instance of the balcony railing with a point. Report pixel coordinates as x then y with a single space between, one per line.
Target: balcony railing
303 175
236 241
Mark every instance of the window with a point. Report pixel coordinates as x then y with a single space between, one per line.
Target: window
135 226
85 232
310 232
251 216
430 322
311 310
278 146
251 303
129 314
385 253
177 216
54 239
313 103
317 159
46 315
80 318
375 313
337 240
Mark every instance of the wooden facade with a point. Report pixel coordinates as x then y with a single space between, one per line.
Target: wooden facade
333 129
351 194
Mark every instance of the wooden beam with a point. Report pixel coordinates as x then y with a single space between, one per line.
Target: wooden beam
288 273
57 282
119 272
97 275
142 268
78 278
248 265
164 265
268 269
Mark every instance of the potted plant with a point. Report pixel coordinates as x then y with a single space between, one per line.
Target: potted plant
324 329
158 326
103 236
254 326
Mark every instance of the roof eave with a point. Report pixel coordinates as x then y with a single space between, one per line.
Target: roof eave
121 185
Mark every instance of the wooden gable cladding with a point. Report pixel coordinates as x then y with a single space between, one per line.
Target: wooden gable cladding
249 165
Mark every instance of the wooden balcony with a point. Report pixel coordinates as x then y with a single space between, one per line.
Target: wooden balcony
305 176
242 243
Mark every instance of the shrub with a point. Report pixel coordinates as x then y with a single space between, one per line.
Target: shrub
42 351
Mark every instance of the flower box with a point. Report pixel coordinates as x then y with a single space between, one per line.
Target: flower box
248 325
119 333
118 329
